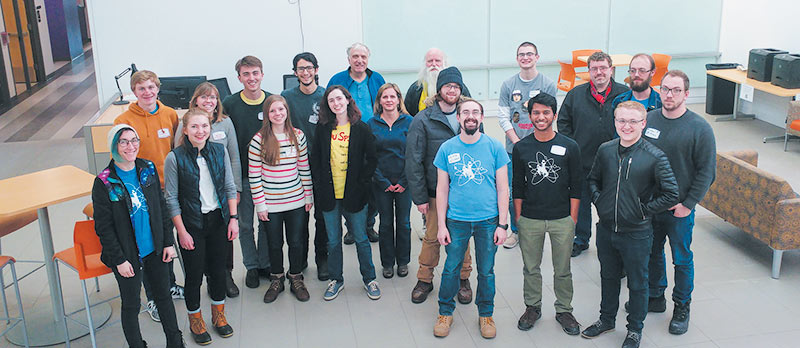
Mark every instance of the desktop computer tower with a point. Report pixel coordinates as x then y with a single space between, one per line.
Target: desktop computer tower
786 70
759 65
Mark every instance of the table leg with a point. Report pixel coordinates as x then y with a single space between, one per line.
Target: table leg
736 114
52 277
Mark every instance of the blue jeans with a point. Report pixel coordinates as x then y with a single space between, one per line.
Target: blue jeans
253 255
583 228
460 232
679 231
372 212
513 223
333 224
395 227
629 251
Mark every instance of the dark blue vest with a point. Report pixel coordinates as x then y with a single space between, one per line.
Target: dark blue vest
189 180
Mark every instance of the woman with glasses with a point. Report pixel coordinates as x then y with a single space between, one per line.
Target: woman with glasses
134 230
390 127
206 97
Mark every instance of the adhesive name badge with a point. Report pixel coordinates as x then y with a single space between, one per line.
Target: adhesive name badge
260 116
313 119
453 158
652 133
163 133
533 93
558 150
218 135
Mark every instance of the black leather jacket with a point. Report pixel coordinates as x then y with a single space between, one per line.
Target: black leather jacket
629 185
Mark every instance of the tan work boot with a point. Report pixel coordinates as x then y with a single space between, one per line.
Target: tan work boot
219 321
442 327
488 330
198 327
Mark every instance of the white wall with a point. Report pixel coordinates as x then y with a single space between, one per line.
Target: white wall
188 37
763 24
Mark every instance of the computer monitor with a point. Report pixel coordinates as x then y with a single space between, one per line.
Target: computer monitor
222 87
290 81
176 92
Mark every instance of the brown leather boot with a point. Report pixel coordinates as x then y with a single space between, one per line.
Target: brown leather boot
198 327
297 287
464 292
219 321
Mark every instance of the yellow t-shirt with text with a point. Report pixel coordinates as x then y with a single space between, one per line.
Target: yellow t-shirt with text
340 140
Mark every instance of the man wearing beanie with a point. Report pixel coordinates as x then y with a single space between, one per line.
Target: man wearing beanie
432 127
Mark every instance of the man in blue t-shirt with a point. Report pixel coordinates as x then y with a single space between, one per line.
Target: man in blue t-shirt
471 200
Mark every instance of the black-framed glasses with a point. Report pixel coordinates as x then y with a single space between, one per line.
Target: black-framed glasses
125 142
304 68
675 91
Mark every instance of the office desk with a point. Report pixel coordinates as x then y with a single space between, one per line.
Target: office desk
39 190
739 78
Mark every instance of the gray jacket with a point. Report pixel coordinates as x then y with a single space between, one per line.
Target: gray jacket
427 132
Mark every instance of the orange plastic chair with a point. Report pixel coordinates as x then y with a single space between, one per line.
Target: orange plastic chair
566 78
10 261
88 210
583 75
83 258
662 66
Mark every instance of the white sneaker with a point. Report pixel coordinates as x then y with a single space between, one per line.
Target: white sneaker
511 241
153 311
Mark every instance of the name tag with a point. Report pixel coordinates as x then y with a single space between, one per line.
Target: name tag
163 133
558 150
313 119
218 135
453 158
533 93
652 133
260 116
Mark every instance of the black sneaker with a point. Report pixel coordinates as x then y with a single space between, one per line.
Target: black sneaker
597 329
349 238
372 235
231 290
529 318
402 271
388 272
251 278
577 249
680 319
568 323
654 304
632 339
322 271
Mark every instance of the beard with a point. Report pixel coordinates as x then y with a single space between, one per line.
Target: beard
308 84
430 77
640 86
469 129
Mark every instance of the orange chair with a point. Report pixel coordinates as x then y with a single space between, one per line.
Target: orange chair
583 75
9 261
662 66
88 210
83 258
566 78
792 123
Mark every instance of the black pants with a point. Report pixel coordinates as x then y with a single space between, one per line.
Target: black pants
155 271
320 235
293 221
210 256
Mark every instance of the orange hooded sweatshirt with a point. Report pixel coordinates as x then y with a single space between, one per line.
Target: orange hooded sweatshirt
155 130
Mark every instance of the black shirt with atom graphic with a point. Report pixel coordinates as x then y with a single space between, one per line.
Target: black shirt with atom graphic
546 175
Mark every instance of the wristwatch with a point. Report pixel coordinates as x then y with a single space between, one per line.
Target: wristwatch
234 216
505 227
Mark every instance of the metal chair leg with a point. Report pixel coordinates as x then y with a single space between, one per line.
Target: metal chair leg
785 141
88 314
5 300
19 303
97 283
63 310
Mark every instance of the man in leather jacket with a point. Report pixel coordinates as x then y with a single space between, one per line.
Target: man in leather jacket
630 181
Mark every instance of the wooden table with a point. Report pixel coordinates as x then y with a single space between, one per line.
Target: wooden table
38 191
739 78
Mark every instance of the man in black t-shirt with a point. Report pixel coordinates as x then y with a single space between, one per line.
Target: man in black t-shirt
546 186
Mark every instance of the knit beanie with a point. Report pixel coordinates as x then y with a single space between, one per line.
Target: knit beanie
113 139
449 75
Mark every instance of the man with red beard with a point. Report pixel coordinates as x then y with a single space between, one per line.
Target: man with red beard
435 60
642 69
430 128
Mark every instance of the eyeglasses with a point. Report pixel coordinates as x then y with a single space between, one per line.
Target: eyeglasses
476 112
599 68
452 86
640 71
526 54
628 122
125 142
675 91
304 68
208 97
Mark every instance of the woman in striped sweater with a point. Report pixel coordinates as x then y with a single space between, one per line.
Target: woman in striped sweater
280 181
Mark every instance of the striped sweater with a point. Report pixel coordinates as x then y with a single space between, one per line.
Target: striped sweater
285 186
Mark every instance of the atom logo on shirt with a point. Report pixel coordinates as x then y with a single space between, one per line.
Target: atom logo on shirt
469 169
543 168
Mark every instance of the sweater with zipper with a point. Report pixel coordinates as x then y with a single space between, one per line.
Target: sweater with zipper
390 149
155 132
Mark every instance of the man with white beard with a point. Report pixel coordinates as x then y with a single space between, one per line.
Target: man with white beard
435 60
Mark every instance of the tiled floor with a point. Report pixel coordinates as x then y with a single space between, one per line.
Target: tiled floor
735 303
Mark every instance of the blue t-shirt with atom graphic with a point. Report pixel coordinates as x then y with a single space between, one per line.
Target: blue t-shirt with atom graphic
140 216
472 168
